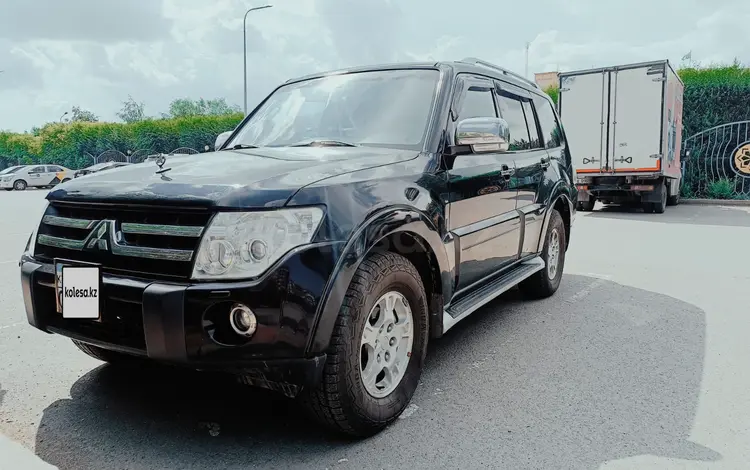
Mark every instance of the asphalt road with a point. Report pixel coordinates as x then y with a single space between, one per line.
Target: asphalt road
640 360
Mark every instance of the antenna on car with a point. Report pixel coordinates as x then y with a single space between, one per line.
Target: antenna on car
489 65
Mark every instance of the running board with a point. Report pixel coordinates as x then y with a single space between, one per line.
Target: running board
467 305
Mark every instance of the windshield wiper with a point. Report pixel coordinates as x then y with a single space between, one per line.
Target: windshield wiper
241 146
324 143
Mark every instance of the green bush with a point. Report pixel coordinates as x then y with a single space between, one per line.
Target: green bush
713 96
721 189
67 144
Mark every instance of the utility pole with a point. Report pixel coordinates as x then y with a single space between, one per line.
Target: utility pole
244 45
526 73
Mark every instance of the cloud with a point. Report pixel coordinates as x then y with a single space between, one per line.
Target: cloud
94 53
83 20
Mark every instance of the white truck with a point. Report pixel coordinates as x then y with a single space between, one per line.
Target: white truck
624 128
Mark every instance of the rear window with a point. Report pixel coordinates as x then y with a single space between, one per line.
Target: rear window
10 170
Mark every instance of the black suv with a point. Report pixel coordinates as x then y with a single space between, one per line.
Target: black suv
349 219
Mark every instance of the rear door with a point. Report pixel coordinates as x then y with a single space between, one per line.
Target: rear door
530 157
583 112
636 122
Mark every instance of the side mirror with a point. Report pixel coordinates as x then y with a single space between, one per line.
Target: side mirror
483 134
222 139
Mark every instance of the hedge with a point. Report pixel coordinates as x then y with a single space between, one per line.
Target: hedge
67 144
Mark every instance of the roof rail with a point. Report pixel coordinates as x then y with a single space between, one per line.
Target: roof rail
489 65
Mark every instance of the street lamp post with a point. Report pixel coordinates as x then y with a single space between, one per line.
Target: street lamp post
244 45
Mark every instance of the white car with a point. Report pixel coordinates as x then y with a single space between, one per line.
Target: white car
33 176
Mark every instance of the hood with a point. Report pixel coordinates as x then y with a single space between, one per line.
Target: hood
226 179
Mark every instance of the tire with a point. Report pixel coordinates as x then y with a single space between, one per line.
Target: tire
587 206
544 283
342 401
9 189
661 206
20 185
673 200
65 180
106 355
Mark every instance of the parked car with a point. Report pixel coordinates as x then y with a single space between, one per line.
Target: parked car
6 173
34 176
349 220
99 167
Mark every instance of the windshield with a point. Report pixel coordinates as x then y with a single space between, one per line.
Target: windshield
387 108
10 170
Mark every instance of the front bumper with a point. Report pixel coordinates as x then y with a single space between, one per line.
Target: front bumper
181 323
6 184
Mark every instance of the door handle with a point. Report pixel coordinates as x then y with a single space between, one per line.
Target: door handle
545 162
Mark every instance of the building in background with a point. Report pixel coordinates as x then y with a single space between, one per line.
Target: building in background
546 79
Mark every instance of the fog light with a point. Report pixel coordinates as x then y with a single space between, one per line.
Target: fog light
243 320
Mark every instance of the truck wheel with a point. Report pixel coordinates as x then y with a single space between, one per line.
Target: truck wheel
587 206
19 185
377 349
673 200
106 355
661 206
544 283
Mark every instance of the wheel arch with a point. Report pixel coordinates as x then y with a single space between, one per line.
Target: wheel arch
561 201
403 230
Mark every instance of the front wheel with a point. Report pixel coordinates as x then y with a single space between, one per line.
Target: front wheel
19 185
544 283
377 349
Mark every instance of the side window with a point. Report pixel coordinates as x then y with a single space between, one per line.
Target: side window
477 103
54 169
551 133
534 142
37 169
512 111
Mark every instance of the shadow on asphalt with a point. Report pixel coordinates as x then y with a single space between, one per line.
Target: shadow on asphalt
598 372
729 216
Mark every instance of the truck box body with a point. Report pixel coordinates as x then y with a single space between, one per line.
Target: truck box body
624 121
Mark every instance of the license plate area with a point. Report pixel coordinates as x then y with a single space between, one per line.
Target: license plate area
78 289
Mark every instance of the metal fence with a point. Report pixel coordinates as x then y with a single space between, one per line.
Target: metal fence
719 163
136 157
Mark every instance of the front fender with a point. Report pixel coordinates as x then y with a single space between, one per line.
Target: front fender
364 240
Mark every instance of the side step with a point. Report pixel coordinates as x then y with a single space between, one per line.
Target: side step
467 305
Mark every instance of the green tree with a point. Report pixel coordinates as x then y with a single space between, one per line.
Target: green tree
82 115
131 111
185 107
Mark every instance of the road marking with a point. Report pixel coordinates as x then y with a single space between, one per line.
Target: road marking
12 325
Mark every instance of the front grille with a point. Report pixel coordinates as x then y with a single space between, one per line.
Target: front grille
149 242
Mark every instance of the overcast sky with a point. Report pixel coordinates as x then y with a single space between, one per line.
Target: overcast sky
94 53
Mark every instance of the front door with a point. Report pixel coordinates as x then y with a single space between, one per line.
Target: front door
482 203
36 176
530 157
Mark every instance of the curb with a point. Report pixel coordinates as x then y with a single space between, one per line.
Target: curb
716 202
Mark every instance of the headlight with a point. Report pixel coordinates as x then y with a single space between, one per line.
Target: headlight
7 178
245 244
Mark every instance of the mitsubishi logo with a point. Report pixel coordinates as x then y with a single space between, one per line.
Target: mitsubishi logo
101 236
